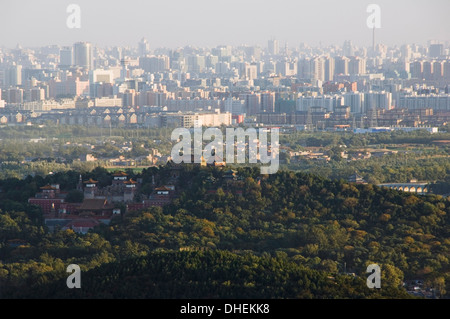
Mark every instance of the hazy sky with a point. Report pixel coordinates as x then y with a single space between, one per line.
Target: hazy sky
175 23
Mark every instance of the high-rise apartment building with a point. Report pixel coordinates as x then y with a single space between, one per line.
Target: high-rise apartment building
287 68
13 76
431 101
65 57
406 51
328 102
348 48
355 100
417 70
312 68
341 65
268 102
196 63
273 47
428 70
319 69
82 55
36 94
438 70
143 47
377 100
446 70
356 66
15 95
329 69
252 103
154 64
222 67
436 50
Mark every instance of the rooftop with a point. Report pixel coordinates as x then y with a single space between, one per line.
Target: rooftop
162 188
48 187
120 174
95 204
90 181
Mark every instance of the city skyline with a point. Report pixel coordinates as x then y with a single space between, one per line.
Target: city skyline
202 24
248 150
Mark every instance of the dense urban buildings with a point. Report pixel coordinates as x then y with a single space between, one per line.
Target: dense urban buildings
304 87
248 150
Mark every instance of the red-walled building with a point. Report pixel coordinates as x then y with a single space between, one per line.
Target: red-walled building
50 199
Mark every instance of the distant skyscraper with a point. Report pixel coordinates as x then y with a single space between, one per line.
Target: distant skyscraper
82 55
248 71
329 69
36 94
438 70
273 47
124 71
428 70
357 66
406 51
355 100
268 102
375 100
312 69
286 68
211 61
222 67
446 70
417 70
319 69
436 50
252 103
65 57
341 65
14 95
196 63
143 47
117 53
348 48
13 76
154 64
305 68
222 52
286 49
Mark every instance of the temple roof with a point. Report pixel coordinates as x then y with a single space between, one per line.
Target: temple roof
119 174
162 188
48 187
90 181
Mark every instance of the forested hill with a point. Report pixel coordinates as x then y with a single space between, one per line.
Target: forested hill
211 274
314 228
